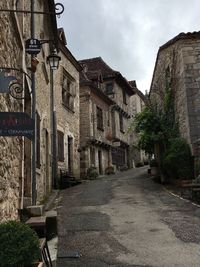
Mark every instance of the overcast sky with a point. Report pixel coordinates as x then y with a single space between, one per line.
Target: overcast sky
126 33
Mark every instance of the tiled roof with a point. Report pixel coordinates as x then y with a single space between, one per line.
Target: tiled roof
181 36
96 66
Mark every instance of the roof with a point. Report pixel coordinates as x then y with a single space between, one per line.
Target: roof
97 63
180 36
98 92
97 66
62 42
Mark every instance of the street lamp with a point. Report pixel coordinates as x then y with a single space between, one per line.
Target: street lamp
53 60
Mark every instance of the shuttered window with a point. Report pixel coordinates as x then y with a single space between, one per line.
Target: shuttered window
99 118
121 122
60 136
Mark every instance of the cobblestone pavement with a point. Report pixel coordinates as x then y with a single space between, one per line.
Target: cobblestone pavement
127 220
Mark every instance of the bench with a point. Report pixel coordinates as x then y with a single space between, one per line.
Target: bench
45 254
39 226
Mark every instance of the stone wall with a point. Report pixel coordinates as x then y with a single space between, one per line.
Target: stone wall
182 58
137 156
11 149
68 119
89 101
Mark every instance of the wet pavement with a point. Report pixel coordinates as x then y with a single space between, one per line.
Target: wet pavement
126 220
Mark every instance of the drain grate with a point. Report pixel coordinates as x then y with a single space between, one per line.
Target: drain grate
69 254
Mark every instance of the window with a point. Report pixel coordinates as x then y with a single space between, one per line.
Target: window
121 123
60 138
92 156
38 140
68 91
99 118
109 89
124 97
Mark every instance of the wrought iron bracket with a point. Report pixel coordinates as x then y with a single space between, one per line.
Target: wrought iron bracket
11 84
59 9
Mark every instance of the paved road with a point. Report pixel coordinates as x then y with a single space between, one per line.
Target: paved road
127 220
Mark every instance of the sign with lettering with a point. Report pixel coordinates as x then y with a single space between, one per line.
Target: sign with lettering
16 124
33 46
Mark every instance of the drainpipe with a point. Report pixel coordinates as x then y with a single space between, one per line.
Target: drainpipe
34 193
53 132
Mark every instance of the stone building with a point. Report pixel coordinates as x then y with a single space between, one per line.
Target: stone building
67 109
137 102
178 65
104 115
15 162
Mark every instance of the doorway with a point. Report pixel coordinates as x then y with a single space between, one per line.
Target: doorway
70 155
100 161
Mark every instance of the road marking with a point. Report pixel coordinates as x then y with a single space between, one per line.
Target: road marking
186 200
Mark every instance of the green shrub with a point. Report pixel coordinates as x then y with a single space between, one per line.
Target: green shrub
19 244
110 170
92 173
177 161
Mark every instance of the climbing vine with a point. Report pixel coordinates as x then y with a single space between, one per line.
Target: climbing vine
158 126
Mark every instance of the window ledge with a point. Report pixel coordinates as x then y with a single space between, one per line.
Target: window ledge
68 108
100 129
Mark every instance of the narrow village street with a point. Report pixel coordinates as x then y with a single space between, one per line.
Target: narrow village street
127 220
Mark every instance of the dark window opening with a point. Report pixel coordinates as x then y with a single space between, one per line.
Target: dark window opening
109 89
67 91
121 123
99 118
60 139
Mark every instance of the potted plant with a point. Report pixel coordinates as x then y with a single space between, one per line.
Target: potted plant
110 170
92 173
19 245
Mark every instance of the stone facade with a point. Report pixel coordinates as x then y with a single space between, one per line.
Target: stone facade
11 147
15 163
137 102
178 62
67 108
98 78
95 146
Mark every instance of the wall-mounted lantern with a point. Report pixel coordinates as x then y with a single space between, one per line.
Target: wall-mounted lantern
53 61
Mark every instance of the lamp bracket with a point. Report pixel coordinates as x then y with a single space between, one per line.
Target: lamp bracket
58 10
10 83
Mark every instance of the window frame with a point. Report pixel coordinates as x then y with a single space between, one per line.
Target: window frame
121 122
99 116
67 90
60 146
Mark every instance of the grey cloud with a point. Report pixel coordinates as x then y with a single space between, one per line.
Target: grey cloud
126 34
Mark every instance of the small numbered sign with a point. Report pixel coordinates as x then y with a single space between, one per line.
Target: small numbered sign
33 46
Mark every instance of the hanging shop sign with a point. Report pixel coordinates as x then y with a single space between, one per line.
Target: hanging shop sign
16 124
33 46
